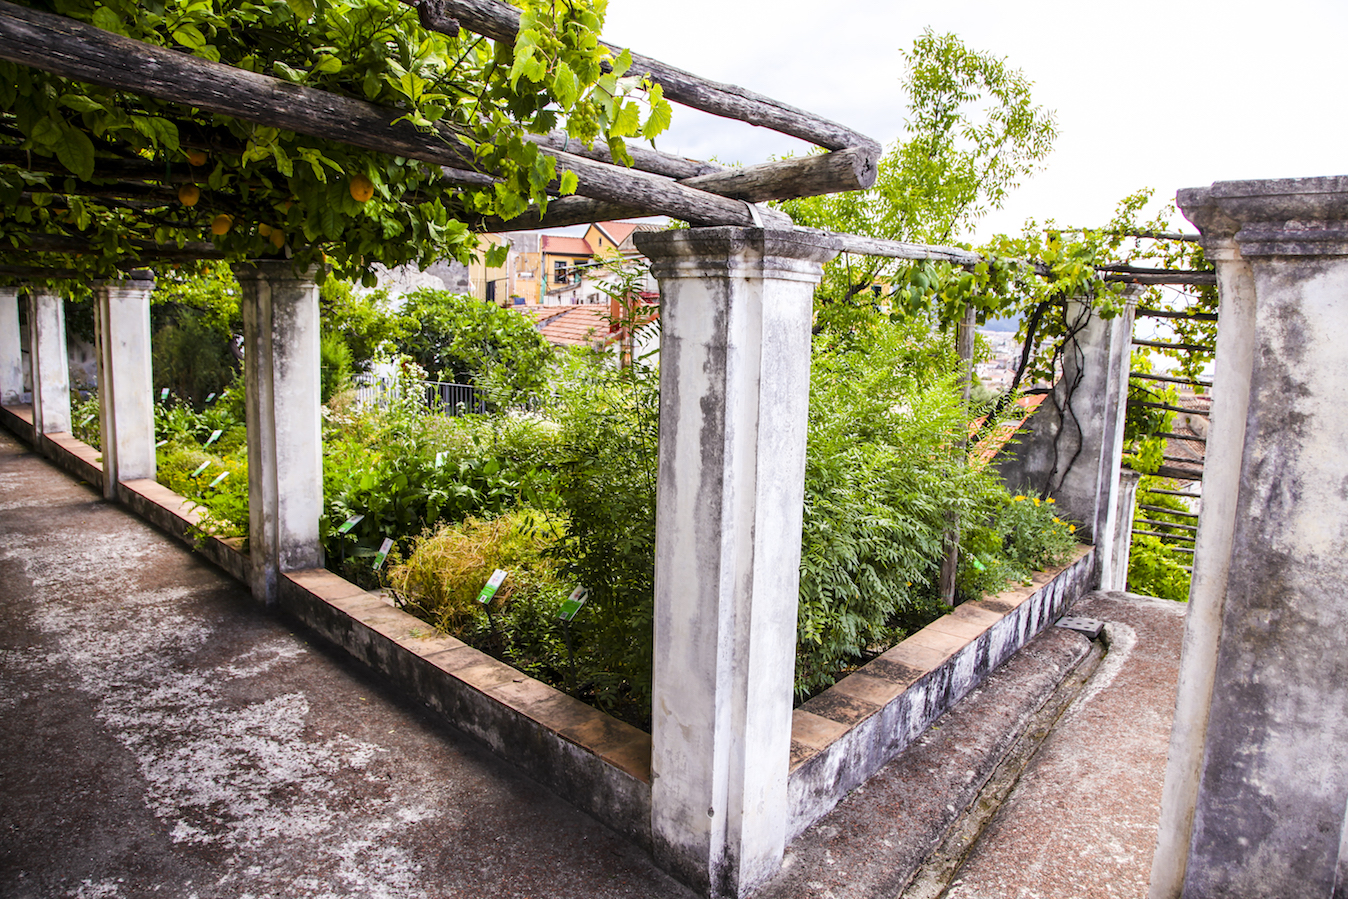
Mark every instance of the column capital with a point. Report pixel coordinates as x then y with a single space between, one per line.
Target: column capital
729 250
1274 217
271 270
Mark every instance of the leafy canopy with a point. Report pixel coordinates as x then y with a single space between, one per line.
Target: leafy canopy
972 133
108 167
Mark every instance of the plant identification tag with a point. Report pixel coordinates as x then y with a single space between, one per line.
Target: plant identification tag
215 435
346 526
202 467
493 584
571 605
380 556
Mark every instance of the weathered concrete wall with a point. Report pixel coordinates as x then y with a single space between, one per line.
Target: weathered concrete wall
1257 782
1074 442
736 306
847 733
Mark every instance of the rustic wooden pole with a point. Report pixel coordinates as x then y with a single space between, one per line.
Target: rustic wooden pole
964 346
75 50
501 22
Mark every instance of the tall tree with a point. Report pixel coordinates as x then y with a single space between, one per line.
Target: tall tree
972 133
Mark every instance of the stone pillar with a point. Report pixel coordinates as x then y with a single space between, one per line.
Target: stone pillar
125 388
1121 541
736 307
1257 778
50 361
11 348
282 411
1075 446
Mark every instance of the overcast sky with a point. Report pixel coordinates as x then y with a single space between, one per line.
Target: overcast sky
1150 93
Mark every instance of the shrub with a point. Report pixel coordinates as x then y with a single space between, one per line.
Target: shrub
448 567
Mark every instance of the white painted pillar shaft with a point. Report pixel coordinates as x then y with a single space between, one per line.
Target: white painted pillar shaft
285 456
125 388
1257 780
11 348
50 362
736 307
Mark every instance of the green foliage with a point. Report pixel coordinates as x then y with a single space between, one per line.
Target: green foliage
457 338
883 480
365 322
84 419
605 466
292 194
334 365
405 470
448 567
1155 569
197 332
972 134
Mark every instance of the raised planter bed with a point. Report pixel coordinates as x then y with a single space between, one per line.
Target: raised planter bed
839 738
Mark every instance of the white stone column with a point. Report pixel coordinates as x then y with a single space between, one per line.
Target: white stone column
11 348
736 306
50 361
1257 778
285 454
125 388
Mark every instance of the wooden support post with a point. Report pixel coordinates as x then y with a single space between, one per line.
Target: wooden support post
965 333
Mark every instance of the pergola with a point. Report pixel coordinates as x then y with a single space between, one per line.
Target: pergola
1249 759
737 303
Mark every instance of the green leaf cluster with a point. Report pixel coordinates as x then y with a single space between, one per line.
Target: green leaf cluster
280 193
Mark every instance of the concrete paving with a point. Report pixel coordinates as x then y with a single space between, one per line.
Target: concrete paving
164 736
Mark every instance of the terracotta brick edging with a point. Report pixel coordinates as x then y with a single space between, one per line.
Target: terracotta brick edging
600 764
847 733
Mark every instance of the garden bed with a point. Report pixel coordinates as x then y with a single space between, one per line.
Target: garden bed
600 764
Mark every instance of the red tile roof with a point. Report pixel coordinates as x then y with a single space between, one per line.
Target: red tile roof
582 325
570 246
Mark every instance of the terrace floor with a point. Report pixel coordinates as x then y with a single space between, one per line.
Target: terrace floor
164 736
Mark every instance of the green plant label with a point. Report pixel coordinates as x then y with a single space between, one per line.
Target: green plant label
209 397
215 435
202 467
439 459
161 443
380 556
493 584
218 478
86 420
571 605
346 526
163 395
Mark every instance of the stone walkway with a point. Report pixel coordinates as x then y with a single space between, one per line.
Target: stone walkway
163 736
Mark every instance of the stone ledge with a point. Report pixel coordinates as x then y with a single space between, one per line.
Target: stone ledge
847 733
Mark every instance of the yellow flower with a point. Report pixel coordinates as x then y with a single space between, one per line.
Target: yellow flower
1057 520
1049 500
1036 500
1071 529
1016 499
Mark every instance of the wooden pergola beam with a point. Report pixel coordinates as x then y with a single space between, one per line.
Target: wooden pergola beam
74 50
501 22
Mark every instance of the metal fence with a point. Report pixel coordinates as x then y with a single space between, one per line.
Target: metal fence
439 396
